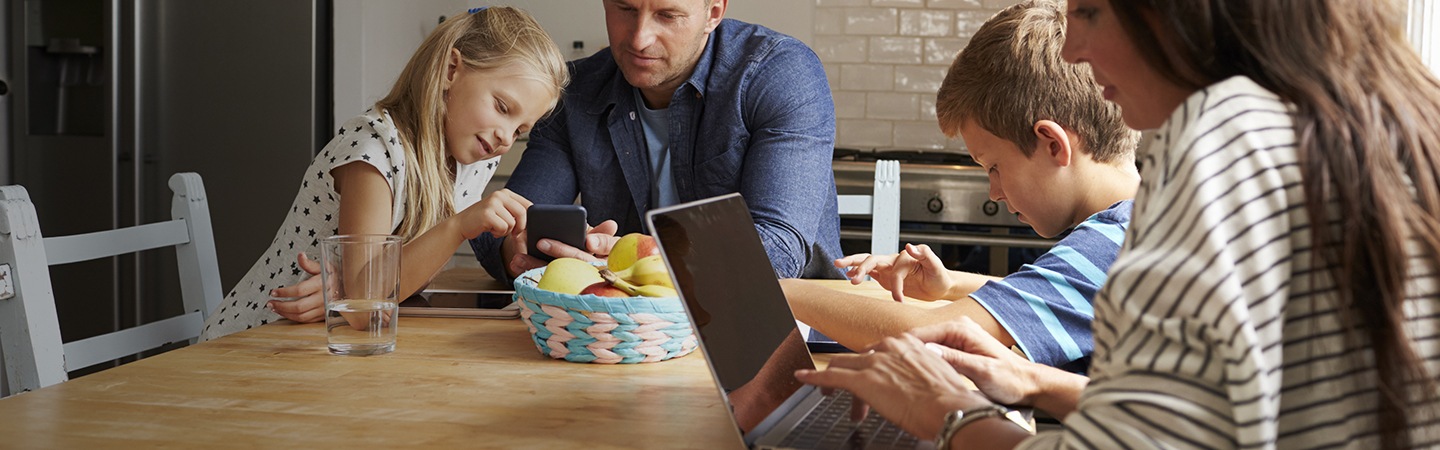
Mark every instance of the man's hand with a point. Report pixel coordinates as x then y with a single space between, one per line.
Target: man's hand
598 241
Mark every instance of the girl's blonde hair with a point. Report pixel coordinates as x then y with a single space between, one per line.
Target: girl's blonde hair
487 39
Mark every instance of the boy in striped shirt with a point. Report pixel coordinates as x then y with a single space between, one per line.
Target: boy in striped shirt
1057 154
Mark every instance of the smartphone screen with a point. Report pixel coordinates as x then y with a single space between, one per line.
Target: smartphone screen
564 223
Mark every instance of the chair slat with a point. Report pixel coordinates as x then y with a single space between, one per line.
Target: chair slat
88 352
101 244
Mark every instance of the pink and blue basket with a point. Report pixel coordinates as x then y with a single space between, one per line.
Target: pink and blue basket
603 330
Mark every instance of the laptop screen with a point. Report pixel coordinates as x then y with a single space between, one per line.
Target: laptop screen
735 302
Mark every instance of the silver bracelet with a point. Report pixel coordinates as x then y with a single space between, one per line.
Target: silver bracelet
957 419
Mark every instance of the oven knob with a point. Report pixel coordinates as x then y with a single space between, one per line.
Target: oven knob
935 205
990 207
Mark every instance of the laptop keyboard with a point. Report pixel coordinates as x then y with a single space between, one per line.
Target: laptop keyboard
829 426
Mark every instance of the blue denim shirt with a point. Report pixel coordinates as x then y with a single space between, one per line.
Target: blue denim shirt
756 117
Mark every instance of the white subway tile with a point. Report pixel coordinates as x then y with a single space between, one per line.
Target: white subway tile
849 105
1000 4
927 107
829 21
840 49
863 133
895 50
917 22
871 21
966 22
919 135
824 3
900 3
957 4
892 106
867 77
924 79
943 51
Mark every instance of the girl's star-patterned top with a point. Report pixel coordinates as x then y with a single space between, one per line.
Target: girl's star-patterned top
370 139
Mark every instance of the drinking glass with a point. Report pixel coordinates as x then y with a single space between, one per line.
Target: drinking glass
361 274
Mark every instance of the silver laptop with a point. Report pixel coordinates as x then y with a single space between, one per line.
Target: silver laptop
750 337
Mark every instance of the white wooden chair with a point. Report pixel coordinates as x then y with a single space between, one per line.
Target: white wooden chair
34 355
883 207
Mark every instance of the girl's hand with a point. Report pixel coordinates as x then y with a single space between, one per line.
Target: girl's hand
916 272
500 214
309 303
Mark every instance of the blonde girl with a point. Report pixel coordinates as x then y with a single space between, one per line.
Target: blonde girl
415 165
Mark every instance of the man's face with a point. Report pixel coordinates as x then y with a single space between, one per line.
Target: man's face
657 42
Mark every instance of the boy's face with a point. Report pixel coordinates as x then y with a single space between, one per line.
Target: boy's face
1029 186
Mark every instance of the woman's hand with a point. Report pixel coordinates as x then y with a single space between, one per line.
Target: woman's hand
916 272
1000 373
906 382
309 303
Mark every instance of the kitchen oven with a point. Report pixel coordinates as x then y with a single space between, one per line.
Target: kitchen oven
945 203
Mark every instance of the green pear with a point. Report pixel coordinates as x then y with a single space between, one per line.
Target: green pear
568 276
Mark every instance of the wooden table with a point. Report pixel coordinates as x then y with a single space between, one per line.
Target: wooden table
450 383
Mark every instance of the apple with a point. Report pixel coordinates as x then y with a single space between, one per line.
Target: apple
631 248
568 276
603 289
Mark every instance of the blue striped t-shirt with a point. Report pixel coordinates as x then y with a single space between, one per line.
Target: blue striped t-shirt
1046 306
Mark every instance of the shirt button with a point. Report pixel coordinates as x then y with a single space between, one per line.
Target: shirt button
697 95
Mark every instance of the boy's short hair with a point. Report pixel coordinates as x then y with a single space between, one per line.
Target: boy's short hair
1011 74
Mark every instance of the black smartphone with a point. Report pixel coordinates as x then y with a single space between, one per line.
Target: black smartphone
564 223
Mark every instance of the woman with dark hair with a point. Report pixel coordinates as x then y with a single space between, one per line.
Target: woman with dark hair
1278 287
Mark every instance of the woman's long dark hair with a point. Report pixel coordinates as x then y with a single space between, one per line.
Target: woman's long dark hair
1368 123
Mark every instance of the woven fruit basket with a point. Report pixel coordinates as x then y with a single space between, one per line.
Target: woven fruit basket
604 330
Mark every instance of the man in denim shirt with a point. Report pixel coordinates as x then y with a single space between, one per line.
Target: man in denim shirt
687 105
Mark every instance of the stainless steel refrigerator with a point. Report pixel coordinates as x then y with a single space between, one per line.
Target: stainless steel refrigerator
107 98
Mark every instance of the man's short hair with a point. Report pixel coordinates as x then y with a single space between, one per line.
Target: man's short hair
1011 74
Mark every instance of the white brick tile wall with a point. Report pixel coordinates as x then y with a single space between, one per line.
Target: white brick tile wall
849 105
840 49
867 77
904 3
924 79
920 22
942 52
863 133
958 4
885 59
921 135
880 105
896 50
871 21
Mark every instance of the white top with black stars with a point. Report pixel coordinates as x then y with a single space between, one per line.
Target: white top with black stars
368 138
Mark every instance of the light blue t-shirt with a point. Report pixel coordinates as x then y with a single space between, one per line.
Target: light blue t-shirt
1046 306
657 142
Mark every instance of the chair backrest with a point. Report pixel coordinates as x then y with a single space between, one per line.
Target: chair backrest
34 354
883 207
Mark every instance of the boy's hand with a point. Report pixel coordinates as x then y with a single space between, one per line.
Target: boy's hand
500 214
916 272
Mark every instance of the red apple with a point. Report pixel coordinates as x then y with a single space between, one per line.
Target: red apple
603 289
630 248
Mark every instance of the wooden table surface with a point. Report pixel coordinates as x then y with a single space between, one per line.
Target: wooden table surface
449 383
